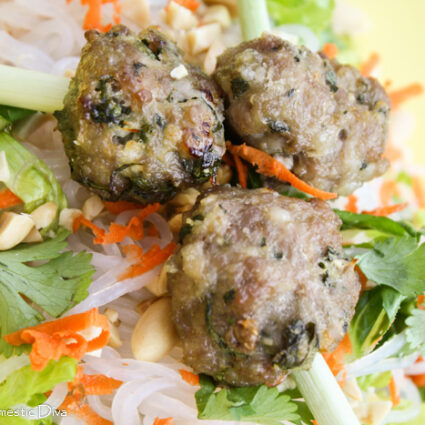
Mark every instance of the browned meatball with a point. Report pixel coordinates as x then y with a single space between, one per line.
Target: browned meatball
259 284
324 120
139 123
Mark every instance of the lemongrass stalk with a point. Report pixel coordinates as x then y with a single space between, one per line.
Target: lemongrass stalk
253 17
323 395
31 89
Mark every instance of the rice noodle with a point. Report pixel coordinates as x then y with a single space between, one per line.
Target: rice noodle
12 364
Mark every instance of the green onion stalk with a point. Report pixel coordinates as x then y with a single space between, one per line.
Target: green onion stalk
320 389
42 92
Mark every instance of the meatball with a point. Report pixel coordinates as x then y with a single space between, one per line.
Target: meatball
139 123
324 120
259 285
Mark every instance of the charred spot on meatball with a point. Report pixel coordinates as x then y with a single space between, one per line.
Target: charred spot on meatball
132 131
259 284
286 100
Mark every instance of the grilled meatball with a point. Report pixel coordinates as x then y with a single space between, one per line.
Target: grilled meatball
259 284
324 120
132 128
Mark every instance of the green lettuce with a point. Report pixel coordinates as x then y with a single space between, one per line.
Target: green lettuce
27 176
315 14
28 387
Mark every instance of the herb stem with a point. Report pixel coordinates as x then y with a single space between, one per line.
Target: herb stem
323 395
31 89
253 17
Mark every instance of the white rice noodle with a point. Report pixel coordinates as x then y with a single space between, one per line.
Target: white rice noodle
12 364
416 369
409 392
380 360
99 407
129 396
57 396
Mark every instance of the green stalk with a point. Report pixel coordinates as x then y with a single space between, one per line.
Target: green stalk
31 90
253 17
323 395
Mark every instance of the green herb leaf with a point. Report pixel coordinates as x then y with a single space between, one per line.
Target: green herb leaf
261 404
10 114
55 286
398 263
415 332
26 386
375 312
367 221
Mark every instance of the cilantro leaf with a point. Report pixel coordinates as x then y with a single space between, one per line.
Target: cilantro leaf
261 404
54 286
398 263
415 331
367 221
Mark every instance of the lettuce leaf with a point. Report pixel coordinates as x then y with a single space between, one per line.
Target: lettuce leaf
315 14
26 386
28 177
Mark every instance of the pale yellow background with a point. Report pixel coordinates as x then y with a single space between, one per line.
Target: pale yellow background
398 34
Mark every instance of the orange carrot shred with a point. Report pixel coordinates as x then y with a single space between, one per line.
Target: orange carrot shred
192 5
61 337
419 191
394 392
384 211
228 159
242 171
388 190
419 380
93 18
397 97
421 302
189 377
73 404
165 421
99 384
336 359
330 50
152 231
351 205
369 65
8 199
362 277
82 221
121 206
270 167
314 422
145 262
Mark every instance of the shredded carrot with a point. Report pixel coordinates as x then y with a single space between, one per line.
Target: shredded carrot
330 50
421 302
73 404
369 65
93 18
242 171
419 380
152 230
314 422
228 159
166 421
394 392
351 205
192 5
189 377
419 191
62 337
121 206
117 232
8 199
270 167
146 261
397 97
99 384
384 211
388 190
362 277
392 153
336 359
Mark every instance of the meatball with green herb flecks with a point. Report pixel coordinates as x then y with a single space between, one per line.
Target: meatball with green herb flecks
259 285
139 123
325 121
